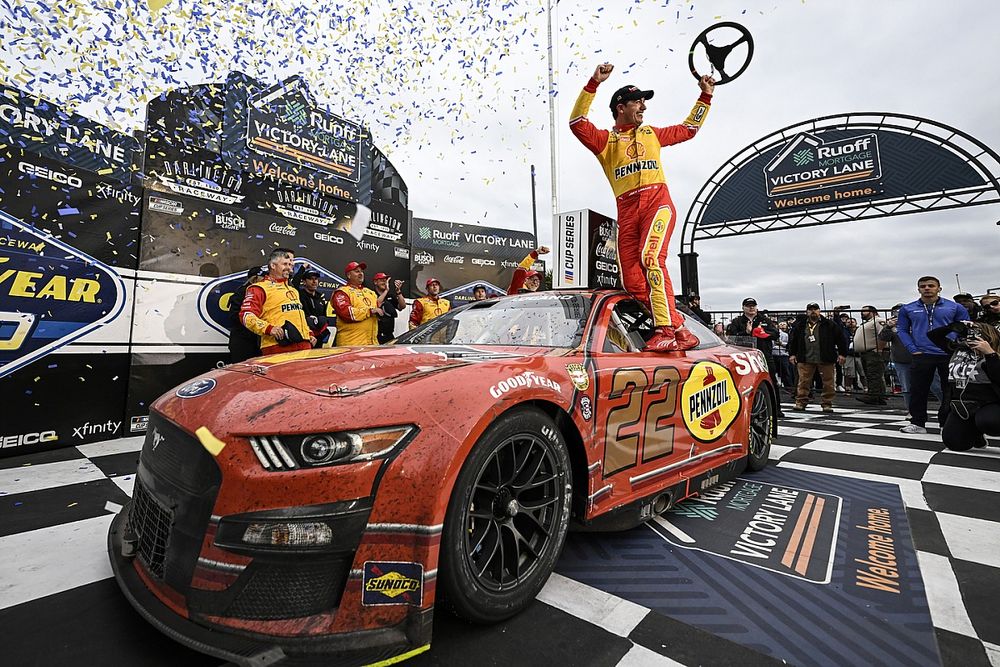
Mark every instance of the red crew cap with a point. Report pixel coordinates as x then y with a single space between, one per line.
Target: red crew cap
433 280
355 265
379 276
531 274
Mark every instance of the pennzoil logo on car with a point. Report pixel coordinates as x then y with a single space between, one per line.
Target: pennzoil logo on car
578 376
392 583
710 401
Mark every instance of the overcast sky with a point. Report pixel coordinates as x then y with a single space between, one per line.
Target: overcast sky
455 93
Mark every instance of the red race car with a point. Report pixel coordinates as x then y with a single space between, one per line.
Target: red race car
321 502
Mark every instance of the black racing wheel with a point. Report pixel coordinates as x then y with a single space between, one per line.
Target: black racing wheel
761 430
717 55
507 518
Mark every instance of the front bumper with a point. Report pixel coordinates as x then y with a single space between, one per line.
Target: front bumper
244 648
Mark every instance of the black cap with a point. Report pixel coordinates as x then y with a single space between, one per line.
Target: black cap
311 273
963 295
749 301
627 94
479 286
812 306
692 297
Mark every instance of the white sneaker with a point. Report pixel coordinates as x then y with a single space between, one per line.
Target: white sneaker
913 428
840 389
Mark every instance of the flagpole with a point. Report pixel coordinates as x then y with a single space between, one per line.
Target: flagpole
552 18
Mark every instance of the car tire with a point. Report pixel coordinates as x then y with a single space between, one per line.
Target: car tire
507 518
761 431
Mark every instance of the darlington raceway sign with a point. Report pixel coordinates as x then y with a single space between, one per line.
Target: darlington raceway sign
284 123
809 171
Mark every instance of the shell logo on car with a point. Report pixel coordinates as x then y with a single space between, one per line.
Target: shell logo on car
710 401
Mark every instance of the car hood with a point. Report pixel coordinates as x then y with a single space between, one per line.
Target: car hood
348 371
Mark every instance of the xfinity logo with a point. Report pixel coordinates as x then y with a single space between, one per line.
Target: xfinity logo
110 427
28 438
49 174
368 245
106 191
455 259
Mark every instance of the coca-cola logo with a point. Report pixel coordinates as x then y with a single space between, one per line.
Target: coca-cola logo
285 230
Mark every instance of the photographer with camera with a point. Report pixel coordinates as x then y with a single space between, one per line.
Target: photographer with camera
972 397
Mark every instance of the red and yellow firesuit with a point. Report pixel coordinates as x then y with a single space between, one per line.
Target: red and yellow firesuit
521 272
357 323
267 306
426 308
630 157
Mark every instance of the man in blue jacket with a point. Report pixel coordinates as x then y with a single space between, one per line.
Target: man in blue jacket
916 318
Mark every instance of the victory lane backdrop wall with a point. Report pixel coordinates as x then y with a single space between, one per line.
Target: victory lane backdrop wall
69 232
215 207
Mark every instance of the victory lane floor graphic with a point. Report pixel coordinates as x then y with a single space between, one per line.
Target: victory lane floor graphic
857 545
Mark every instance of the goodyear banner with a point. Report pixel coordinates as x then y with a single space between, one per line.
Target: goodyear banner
69 232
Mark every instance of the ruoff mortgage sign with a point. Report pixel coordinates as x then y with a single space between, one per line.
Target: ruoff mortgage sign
284 123
811 172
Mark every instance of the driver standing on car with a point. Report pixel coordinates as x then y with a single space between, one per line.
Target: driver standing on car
630 156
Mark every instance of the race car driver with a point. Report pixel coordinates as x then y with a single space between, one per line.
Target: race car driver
524 279
273 311
426 308
357 309
630 156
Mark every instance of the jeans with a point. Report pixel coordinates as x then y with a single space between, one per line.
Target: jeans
903 373
922 372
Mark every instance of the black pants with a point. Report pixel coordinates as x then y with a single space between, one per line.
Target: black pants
961 434
921 377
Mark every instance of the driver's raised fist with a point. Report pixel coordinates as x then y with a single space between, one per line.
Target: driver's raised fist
603 71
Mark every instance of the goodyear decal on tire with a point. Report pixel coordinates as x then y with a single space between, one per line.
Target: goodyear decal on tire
710 401
392 583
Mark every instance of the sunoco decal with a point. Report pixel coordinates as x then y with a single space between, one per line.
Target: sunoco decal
710 401
786 530
392 583
50 294
215 298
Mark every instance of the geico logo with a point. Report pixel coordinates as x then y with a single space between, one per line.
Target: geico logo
287 307
48 174
484 262
28 439
24 284
606 266
319 236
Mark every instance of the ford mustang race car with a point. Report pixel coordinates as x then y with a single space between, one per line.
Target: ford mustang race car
320 503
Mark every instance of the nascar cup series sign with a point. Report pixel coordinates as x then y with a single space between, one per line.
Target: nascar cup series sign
50 294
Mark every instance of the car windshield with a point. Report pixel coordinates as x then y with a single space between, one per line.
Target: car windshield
533 320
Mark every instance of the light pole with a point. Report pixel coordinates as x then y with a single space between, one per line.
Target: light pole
550 10
822 286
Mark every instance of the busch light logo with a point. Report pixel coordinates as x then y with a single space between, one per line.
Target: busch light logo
190 390
50 294
215 301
